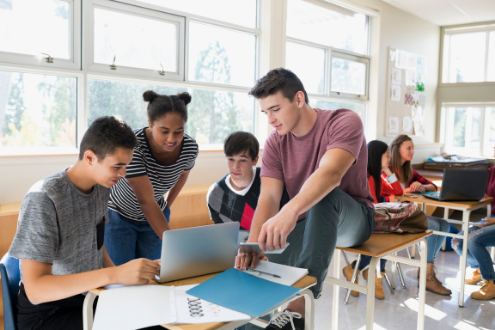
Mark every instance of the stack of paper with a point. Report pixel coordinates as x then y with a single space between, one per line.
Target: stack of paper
135 307
288 275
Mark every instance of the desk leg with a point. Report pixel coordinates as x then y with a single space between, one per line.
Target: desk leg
394 271
335 303
462 263
422 286
370 298
88 311
445 216
309 319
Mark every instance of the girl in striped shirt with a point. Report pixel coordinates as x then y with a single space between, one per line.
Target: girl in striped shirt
138 212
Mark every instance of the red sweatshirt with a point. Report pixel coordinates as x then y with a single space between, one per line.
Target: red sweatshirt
387 190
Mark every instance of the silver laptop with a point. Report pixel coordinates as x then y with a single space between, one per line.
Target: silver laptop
197 251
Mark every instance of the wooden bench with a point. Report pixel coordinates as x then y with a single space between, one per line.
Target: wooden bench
188 210
380 246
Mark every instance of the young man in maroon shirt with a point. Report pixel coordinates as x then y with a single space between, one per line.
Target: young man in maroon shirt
321 156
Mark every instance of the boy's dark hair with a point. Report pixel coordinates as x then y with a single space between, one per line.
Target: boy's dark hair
279 80
239 142
159 105
105 135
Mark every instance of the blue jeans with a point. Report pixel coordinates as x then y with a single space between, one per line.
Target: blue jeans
126 239
336 220
433 243
477 255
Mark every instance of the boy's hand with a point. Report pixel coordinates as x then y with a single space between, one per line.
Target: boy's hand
245 260
274 232
487 222
137 272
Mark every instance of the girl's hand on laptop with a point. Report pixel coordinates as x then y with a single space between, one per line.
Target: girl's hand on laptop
416 186
487 222
136 272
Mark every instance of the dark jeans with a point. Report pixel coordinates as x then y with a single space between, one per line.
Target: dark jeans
337 220
126 239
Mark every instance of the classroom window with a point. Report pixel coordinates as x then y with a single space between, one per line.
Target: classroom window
54 31
37 111
334 67
309 65
348 76
220 55
470 130
135 41
239 12
315 23
469 56
212 115
209 49
359 108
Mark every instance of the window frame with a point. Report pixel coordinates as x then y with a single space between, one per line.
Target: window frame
86 70
75 49
331 52
94 67
446 134
446 43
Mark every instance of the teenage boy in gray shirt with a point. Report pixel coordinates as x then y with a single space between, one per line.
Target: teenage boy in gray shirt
59 236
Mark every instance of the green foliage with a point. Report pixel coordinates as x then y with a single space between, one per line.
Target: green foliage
212 115
15 107
420 87
122 100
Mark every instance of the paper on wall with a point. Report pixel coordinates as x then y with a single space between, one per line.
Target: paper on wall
396 76
418 121
392 55
395 93
411 77
393 125
406 124
400 59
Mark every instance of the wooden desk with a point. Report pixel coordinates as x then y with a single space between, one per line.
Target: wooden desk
379 246
466 208
304 284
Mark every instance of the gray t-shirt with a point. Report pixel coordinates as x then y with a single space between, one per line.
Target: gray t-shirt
58 225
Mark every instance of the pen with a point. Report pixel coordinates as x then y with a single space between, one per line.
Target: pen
261 272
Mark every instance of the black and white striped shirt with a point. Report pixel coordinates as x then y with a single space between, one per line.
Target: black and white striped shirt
163 177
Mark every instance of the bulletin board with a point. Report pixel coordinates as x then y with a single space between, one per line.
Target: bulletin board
406 95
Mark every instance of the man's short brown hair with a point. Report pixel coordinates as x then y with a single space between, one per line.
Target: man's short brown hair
239 142
279 80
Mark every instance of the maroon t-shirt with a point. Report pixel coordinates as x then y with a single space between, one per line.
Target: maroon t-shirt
293 159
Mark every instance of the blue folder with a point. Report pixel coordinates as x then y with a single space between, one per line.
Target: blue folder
243 292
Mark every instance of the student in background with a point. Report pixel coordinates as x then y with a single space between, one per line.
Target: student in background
402 151
478 258
235 196
59 236
138 212
383 187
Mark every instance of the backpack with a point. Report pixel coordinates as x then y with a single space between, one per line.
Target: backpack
399 218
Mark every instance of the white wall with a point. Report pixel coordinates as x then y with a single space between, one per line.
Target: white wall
394 28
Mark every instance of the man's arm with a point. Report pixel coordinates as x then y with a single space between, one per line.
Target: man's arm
268 206
144 192
333 166
172 194
41 286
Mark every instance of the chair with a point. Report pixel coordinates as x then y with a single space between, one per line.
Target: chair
378 248
11 276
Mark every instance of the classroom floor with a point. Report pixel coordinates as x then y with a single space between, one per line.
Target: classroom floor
398 311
